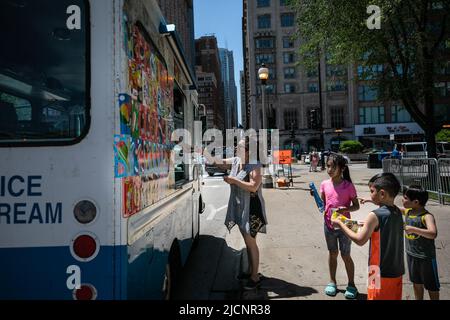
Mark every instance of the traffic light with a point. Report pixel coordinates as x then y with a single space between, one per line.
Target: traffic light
314 119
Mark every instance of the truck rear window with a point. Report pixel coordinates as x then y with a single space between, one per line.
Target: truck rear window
44 66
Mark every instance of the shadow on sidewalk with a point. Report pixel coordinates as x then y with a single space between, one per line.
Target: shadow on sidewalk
210 272
273 288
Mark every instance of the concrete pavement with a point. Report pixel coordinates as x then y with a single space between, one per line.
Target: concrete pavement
293 253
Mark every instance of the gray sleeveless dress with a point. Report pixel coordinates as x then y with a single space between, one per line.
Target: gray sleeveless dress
239 203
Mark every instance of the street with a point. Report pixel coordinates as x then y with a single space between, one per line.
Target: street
293 253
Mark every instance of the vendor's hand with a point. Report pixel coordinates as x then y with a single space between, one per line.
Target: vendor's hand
230 180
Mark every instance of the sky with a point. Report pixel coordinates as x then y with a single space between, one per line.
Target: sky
222 18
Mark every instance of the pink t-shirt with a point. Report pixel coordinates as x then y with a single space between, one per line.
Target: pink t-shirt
337 196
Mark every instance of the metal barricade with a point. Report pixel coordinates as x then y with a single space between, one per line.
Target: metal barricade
421 172
444 176
393 166
430 174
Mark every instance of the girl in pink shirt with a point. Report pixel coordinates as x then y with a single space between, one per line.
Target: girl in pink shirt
339 193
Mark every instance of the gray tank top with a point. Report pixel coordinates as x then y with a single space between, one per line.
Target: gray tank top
239 203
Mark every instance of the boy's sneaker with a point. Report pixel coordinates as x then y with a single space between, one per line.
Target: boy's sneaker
250 285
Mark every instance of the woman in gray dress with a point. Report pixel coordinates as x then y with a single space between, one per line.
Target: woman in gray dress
246 206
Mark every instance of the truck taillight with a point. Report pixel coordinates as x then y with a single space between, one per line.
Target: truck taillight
85 293
85 212
85 247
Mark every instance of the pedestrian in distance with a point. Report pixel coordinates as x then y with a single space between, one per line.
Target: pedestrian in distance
339 195
384 228
246 206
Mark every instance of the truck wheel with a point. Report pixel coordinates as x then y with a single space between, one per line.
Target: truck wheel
172 271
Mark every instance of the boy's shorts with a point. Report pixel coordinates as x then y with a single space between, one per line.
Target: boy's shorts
424 271
389 289
337 236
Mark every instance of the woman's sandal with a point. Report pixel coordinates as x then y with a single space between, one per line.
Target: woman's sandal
331 289
351 293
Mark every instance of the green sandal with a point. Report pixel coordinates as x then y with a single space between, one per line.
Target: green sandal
331 289
351 293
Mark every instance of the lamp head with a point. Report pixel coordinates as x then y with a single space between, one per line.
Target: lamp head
263 74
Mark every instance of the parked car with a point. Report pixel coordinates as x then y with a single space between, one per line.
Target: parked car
413 149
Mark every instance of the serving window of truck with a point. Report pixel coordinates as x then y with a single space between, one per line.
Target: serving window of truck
44 72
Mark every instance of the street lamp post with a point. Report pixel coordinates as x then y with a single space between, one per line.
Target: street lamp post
263 74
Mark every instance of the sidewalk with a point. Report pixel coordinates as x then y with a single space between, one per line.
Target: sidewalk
293 253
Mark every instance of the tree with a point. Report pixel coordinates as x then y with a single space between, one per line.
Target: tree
402 59
443 135
351 146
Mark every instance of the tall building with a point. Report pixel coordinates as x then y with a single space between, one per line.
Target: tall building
181 14
292 93
243 119
229 88
245 102
207 62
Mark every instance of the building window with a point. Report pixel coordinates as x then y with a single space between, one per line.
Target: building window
283 3
337 118
371 115
262 3
367 93
265 43
290 119
287 20
288 42
313 87
272 74
369 72
312 73
289 73
442 89
337 85
264 21
288 57
270 89
289 88
336 71
265 58
400 114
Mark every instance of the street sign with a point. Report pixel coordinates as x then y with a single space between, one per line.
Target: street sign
283 157
392 137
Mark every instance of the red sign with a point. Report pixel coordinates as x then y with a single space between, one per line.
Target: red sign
283 157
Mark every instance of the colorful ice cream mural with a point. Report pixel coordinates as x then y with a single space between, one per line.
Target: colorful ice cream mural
143 147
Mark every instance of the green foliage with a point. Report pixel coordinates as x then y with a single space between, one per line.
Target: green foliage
410 46
443 136
351 146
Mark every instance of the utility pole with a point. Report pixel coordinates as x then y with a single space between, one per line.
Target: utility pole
322 137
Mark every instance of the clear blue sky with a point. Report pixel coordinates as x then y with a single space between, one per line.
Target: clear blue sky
222 18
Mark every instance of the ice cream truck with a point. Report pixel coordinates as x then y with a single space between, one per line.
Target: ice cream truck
92 203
